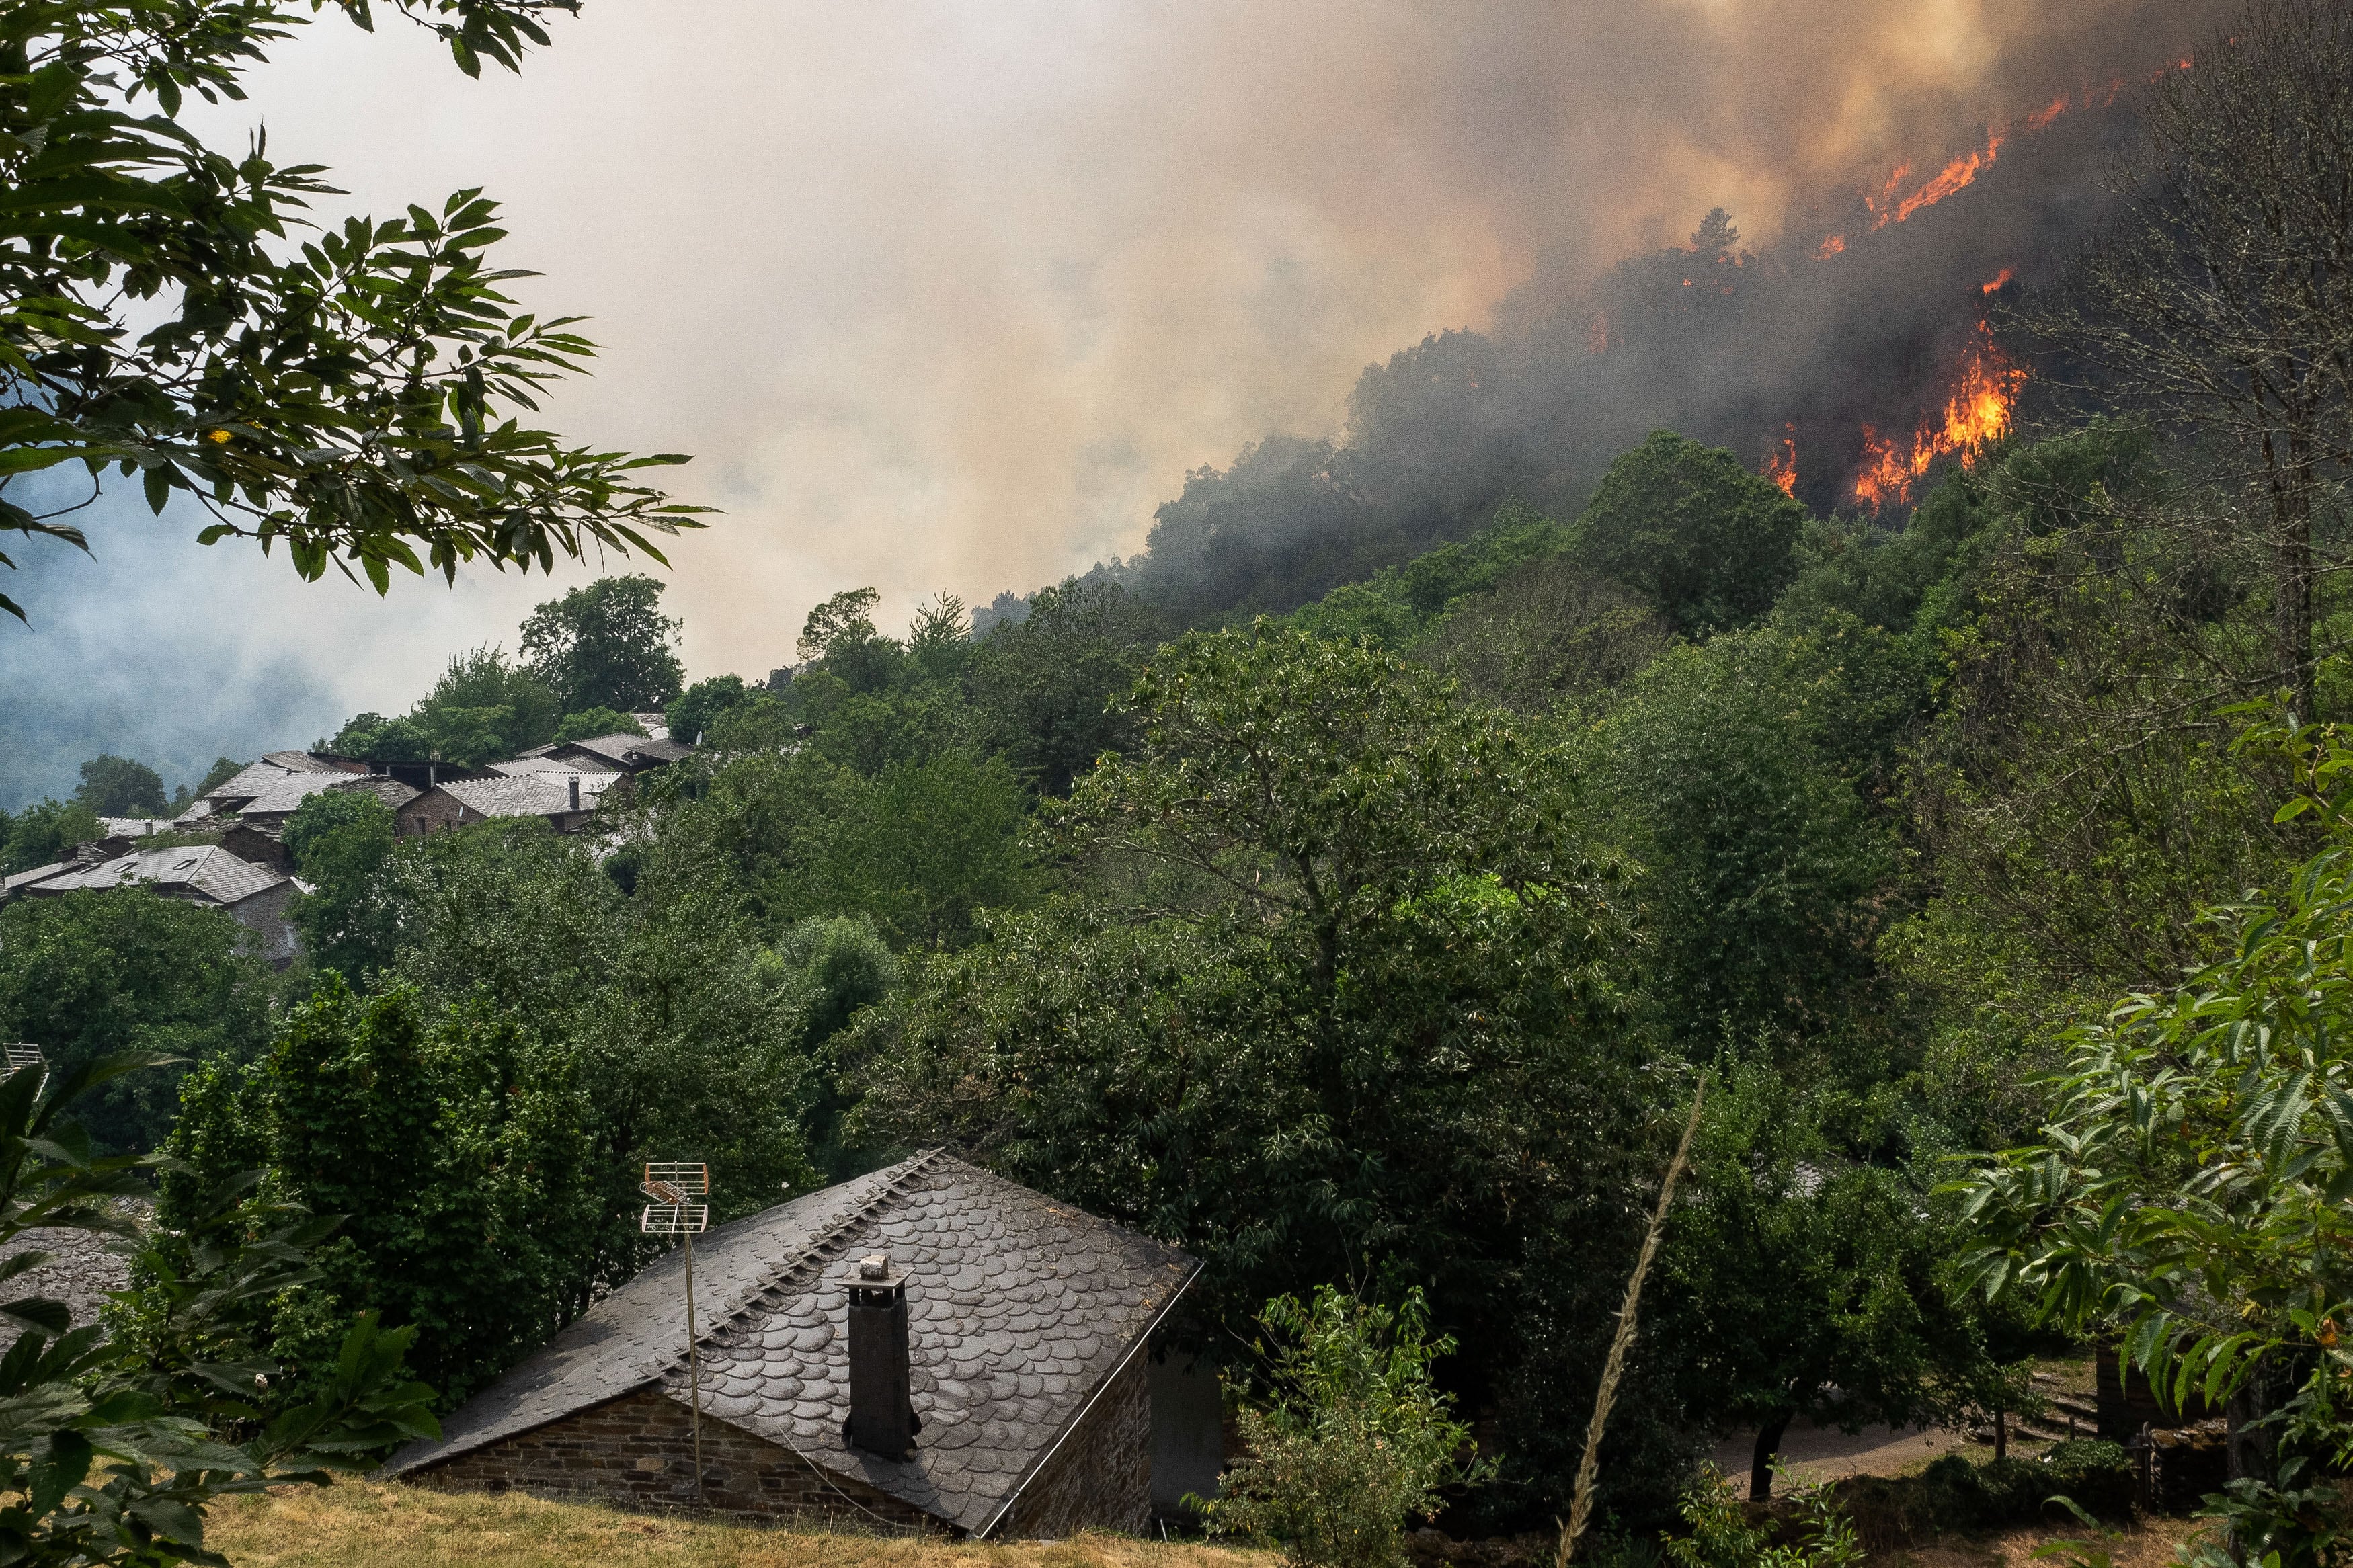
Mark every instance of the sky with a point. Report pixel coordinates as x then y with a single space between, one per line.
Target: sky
946 297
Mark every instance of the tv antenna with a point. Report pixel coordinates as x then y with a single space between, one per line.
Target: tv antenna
674 1186
22 1055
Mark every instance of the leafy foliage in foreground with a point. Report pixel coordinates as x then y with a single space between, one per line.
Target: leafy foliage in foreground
353 395
2189 1193
111 1448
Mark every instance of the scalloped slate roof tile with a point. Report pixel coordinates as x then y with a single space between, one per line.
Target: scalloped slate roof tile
1021 1308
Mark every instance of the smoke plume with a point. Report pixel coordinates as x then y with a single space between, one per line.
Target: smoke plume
953 297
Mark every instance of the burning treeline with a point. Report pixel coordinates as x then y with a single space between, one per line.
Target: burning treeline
1845 361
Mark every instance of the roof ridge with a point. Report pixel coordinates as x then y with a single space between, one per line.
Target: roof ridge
814 1250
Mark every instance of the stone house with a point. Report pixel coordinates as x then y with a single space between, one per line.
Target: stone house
255 892
568 800
927 1348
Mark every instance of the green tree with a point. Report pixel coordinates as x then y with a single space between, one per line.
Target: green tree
454 1145
340 840
701 706
1762 873
606 646
1045 689
117 1444
89 976
1352 1440
353 395
592 723
2188 1194
1336 991
1706 542
1803 1284
483 708
117 786
47 832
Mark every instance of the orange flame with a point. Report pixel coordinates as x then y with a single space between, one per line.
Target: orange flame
2045 116
1975 412
2007 274
1831 245
1952 177
1781 467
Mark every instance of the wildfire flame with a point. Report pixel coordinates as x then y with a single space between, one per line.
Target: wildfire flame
1952 177
1975 412
1831 245
1596 332
2006 275
2045 116
1781 467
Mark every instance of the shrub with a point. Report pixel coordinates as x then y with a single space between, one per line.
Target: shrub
1354 1438
1726 1534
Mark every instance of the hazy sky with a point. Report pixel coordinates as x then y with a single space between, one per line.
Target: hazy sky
948 296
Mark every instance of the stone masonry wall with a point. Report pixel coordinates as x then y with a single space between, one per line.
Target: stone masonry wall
637 1451
1101 1474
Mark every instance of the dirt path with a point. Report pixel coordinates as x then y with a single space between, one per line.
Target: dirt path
1827 1454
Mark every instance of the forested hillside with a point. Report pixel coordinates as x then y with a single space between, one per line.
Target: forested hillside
1384 942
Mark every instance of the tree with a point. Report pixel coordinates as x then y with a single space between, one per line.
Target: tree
1705 540
1335 992
606 646
483 708
841 622
117 786
2215 297
1352 1440
2188 1194
455 1146
596 722
340 841
353 395
1802 1284
1044 687
91 976
116 1445
47 832
1761 873
701 705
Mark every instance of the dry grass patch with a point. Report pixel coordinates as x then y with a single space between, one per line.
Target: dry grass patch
2149 1542
355 1524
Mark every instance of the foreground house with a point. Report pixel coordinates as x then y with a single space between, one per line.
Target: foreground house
928 1348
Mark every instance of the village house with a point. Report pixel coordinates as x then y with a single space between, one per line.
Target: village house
254 891
268 789
929 1348
567 800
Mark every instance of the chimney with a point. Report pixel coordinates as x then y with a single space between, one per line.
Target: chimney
882 1413
576 791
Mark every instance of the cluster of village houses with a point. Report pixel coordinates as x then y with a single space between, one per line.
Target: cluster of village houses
226 849
926 1349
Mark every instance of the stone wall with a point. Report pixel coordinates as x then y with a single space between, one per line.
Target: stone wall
81 1272
1100 1475
637 1451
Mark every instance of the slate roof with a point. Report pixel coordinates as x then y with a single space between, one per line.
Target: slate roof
1021 1309
205 869
627 751
533 795
278 782
23 880
385 788
537 761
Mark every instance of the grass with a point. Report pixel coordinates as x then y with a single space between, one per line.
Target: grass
355 1524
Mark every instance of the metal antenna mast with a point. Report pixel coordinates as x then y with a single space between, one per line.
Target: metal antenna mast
673 1187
